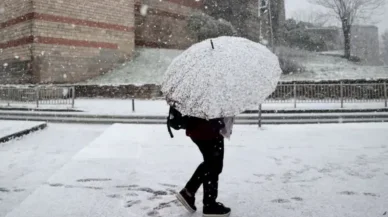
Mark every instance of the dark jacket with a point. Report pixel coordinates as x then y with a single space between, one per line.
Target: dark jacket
202 129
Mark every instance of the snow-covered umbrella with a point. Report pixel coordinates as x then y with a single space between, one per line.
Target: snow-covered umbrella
221 77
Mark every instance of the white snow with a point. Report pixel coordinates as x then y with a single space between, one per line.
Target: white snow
144 10
280 171
149 65
329 67
209 79
160 107
27 162
8 128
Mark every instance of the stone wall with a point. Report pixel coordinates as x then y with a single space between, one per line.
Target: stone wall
365 43
332 36
371 91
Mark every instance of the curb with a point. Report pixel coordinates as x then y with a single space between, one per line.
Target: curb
22 133
247 120
264 111
302 111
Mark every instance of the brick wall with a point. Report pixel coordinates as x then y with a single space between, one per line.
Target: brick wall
15 55
77 40
164 24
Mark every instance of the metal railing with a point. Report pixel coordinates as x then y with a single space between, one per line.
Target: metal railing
37 96
285 93
326 93
329 93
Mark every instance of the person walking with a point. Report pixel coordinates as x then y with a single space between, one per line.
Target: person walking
209 136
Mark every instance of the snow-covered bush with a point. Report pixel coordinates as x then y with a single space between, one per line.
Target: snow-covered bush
288 59
202 26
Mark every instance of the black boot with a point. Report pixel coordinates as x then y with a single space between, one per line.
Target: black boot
187 199
216 210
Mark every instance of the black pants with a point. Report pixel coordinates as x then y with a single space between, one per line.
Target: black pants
208 171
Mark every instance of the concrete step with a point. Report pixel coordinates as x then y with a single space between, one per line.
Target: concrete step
245 120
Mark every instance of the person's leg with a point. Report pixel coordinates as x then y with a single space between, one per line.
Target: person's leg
213 165
213 168
197 178
187 195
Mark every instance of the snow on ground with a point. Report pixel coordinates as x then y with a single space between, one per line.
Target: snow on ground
149 65
27 162
160 107
11 127
290 171
326 67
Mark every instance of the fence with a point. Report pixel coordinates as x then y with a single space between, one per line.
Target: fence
285 93
329 93
326 93
36 96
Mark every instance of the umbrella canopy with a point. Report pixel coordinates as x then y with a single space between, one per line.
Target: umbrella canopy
222 82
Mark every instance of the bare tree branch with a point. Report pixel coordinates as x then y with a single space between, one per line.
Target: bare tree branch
317 18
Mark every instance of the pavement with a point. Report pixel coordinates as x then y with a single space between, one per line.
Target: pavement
279 171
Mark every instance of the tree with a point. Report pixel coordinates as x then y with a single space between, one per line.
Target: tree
296 36
202 26
348 12
385 46
234 11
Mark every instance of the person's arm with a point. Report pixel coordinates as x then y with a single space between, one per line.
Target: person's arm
217 124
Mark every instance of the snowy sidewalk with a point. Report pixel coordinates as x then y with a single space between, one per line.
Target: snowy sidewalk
281 171
11 129
160 107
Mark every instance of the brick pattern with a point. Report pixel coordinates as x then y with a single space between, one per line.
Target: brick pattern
66 41
112 11
63 64
14 60
82 50
14 8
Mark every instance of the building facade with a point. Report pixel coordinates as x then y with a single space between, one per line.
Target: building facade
63 41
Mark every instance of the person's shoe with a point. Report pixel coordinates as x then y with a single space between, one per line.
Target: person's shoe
188 201
216 210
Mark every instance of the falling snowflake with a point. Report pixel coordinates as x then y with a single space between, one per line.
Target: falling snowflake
64 76
144 10
5 64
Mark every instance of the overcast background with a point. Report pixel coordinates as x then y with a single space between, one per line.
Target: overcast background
294 6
